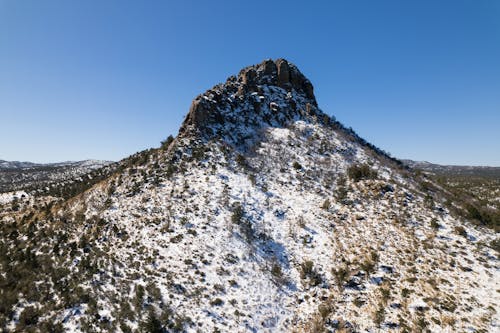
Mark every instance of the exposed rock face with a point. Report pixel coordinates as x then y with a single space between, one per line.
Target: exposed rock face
272 92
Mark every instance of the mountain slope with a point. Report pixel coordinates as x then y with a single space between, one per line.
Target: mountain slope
263 215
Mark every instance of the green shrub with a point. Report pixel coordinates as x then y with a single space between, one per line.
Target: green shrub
495 244
358 172
165 144
238 213
217 302
296 165
152 324
434 224
241 161
28 317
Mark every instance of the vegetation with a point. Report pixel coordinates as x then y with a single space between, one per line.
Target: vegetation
166 143
307 271
473 192
296 165
341 274
359 172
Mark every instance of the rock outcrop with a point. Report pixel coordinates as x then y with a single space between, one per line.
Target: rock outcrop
272 92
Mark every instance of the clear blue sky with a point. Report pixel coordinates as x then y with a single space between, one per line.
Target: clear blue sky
104 79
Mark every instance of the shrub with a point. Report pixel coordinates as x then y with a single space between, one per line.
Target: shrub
238 217
308 271
241 161
341 192
370 262
379 315
238 213
296 165
28 317
473 212
198 153
434 224
217 302
307 268
167 142
359 172
276 270
405 292
340 275
325 309
152 324
326 204
177 239
461 231
495 244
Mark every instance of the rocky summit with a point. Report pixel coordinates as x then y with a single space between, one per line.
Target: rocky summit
264 214
273 93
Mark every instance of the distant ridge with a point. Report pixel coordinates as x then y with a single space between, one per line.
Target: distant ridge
23 165
15 175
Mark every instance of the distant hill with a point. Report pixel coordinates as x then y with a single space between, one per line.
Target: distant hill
474 188
28 176
456 170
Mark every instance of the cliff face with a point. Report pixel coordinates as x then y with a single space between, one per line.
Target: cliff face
272 93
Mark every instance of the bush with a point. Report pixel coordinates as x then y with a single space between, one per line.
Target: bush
379 315
241 161
276 270
359 172
325 309
370 263
238 213
167 142
308 271
152 324
238 217
217 302
461 231
28 317
340 275
434 224
326 204
495 244
296 165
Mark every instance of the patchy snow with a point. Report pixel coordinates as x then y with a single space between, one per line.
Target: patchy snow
12 196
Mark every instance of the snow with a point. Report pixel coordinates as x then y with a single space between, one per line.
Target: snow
275 202
11 196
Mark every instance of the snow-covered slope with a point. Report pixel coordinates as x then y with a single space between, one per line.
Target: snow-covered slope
263 215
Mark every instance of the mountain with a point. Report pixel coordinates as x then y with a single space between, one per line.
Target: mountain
458 170
15 164
264 214
44 178
90 164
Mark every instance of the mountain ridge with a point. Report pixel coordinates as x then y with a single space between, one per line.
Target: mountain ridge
44 178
